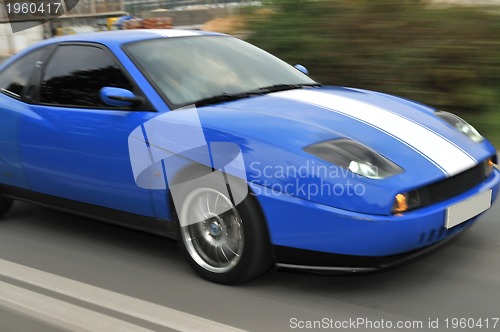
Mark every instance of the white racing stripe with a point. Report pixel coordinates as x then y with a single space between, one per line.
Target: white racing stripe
147 311
442 153
173 33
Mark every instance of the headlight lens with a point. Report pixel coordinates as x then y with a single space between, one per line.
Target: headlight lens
461 125
355 157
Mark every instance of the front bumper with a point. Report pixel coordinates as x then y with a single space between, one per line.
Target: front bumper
308 234
325 263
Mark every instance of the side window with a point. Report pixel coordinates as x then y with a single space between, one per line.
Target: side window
14 78
75 75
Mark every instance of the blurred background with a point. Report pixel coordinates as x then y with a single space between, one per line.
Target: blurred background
445 53
442 53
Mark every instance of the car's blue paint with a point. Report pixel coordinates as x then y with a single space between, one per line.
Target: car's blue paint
117 97
302 69
298 223
275 143
11 172
82 154
424 115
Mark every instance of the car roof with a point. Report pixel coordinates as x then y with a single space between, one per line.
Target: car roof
118 37
114 38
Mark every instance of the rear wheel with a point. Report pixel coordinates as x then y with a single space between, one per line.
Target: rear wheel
5 205
224 242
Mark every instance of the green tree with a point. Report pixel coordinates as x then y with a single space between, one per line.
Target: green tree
445 56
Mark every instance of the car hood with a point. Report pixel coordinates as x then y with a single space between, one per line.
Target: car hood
406 132
272 130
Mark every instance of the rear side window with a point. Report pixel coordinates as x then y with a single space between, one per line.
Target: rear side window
14 78
76 74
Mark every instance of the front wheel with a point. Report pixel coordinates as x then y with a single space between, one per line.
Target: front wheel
223 242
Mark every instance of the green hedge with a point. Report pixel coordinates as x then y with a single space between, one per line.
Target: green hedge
447 57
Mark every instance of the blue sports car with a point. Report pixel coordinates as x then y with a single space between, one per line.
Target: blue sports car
244 159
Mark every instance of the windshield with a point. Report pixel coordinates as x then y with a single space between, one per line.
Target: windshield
189 69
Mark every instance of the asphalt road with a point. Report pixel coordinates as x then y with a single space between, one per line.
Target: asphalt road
461 280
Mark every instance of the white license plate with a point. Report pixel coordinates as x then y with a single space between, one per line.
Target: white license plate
469 208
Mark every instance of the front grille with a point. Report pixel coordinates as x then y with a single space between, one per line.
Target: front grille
451 187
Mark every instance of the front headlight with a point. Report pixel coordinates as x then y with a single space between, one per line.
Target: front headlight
461 125
355 157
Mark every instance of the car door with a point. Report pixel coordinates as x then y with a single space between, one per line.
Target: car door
73 145
14 80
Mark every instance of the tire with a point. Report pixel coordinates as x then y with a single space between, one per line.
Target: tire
5 205
223 242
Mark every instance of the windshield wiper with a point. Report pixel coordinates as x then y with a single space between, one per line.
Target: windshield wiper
224 97
284 87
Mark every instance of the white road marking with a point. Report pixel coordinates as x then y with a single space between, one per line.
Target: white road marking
147 311
441 152
60 313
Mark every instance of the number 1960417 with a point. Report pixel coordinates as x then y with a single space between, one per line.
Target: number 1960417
471 323
31 8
